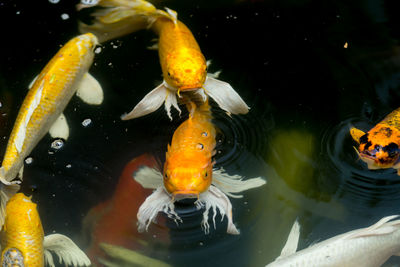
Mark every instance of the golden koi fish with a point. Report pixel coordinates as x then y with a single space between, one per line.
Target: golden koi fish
42 108
379 148
23 242
182 62
188 164
188 173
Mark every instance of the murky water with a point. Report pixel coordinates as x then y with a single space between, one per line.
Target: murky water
285 58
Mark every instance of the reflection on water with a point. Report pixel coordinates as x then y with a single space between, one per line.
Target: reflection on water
288 62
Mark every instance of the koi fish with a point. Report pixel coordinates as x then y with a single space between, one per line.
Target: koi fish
42 108
367 247
379 148
23 242
183 65
188 173
111 221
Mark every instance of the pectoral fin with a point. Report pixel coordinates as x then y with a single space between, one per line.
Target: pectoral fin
90 91
231 184
214 199
225 96
150 103
66 250
32 82
356 134
148 177
60 128
292 241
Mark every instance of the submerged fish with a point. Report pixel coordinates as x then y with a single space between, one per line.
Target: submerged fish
23 242
379 147
188 173
183 65
41 110
112 221
367 247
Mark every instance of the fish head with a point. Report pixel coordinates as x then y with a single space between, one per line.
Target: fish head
379 148
187 175
185 70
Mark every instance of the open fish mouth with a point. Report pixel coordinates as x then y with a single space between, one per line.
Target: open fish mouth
179 195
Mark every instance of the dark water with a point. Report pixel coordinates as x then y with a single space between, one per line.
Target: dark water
288 62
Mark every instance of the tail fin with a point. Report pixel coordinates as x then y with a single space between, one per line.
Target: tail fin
119 17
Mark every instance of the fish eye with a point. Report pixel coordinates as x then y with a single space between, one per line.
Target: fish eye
165 175
200 146
169 74
204 134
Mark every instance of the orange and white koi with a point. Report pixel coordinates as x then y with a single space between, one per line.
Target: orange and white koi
379 147
188 173
41 110
23 242
182 62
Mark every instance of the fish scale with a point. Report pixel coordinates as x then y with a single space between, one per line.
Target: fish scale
57 83
23 230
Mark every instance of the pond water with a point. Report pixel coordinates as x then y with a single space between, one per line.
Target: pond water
308 70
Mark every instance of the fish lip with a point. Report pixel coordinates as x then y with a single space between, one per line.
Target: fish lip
185 194
190 88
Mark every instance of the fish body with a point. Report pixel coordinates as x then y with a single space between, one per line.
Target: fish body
182 62
379 147
367 247
23 242
188 165
23 231
46 99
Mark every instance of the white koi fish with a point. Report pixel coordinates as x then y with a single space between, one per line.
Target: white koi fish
366 247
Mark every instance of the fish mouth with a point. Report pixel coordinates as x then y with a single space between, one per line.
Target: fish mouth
190 88
179 195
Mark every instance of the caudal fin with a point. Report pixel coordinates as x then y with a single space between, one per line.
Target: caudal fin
119 17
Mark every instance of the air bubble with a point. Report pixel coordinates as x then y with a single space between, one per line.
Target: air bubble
57 144
29 160
86 122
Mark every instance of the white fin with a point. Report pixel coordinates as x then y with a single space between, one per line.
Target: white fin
21 173
225 96
214 75
150 103
6 192
292 241
171 101
158 201
148 177
234 183
60 128
129 257
214 199
382 227
32 82
172 14
66 250
90 91
202 94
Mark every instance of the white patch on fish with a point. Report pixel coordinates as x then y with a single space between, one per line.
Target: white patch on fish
20 137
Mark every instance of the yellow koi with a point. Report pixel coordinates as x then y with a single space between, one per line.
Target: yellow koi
182 62
65 74
23 242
